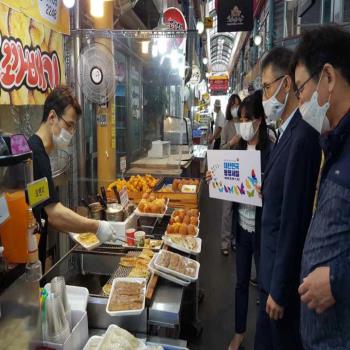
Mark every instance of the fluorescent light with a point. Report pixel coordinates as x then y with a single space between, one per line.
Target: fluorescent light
145 47
200 27
205 61
97 8
69 3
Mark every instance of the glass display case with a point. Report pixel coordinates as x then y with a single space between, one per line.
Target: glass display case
148 89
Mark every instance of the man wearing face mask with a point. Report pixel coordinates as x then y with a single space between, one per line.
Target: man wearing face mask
289 184
58 125
322 79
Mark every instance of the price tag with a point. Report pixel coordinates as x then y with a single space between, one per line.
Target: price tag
123 164
49 10
38 192
4 210
124 198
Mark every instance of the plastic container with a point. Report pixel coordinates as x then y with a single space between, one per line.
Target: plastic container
166 276
77 296
170 243
173 272
78 337
13 231
126 312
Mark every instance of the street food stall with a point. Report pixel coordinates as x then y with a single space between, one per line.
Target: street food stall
133 148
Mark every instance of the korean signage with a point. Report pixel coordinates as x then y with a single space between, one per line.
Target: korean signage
38 192
218 84
235 175
51 13
235 15
31 59
175 20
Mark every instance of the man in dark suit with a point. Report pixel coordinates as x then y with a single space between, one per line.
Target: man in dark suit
288 191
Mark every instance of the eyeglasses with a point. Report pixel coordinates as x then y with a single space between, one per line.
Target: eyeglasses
300 89
267 86
69 125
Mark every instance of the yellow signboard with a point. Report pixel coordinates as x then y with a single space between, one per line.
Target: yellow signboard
31 60
52 13
38 192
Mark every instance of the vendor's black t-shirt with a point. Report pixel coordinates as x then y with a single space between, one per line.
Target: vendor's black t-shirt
42 168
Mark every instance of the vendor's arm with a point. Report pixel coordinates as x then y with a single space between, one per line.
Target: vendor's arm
66 220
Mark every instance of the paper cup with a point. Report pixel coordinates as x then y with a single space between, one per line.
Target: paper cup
130 236
140 238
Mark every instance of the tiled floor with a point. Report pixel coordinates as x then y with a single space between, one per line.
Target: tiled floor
217 279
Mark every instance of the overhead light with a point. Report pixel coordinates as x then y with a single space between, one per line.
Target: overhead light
207 75
200 27
97 8
69 3
145 47
257 40
205 61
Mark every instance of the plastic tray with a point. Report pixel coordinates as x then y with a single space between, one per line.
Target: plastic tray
109 333
93 343
171 244
126 312
74 236
175 273
166 276
77 296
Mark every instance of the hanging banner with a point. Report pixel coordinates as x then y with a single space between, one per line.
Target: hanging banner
196 75
31 59
235 175
235 15
52 13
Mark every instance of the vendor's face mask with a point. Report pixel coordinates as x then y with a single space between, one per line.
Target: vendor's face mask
63 139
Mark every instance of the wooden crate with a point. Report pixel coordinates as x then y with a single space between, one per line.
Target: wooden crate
178 199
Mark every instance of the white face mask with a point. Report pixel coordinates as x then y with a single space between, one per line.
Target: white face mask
314 114
247 131
234 112
63 140
274 108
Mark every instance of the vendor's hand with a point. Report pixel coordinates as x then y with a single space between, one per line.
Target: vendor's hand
315 291
208 176
258 189
274 310
106 231
234 141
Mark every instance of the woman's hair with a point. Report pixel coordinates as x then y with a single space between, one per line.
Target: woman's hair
231 101
254 109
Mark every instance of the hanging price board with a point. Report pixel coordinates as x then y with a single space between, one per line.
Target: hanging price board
38 192
124 198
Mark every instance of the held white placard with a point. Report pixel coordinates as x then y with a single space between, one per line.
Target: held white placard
4 210
235 175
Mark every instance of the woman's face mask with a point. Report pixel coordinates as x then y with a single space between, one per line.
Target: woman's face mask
247 130
234 111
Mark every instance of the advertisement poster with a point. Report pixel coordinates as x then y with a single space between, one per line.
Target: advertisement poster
31 59
52 13
235 175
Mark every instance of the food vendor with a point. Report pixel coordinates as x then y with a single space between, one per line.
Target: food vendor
57 128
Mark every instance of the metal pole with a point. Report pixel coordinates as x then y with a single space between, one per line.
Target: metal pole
271 24
81 125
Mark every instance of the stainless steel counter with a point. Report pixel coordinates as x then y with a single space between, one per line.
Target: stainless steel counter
93 269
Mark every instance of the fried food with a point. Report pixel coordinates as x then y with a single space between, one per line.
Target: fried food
107 288
152 205
177 263
143 184
127 261
187 242
87 239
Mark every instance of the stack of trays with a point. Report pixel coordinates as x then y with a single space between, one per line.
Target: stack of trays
175 267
